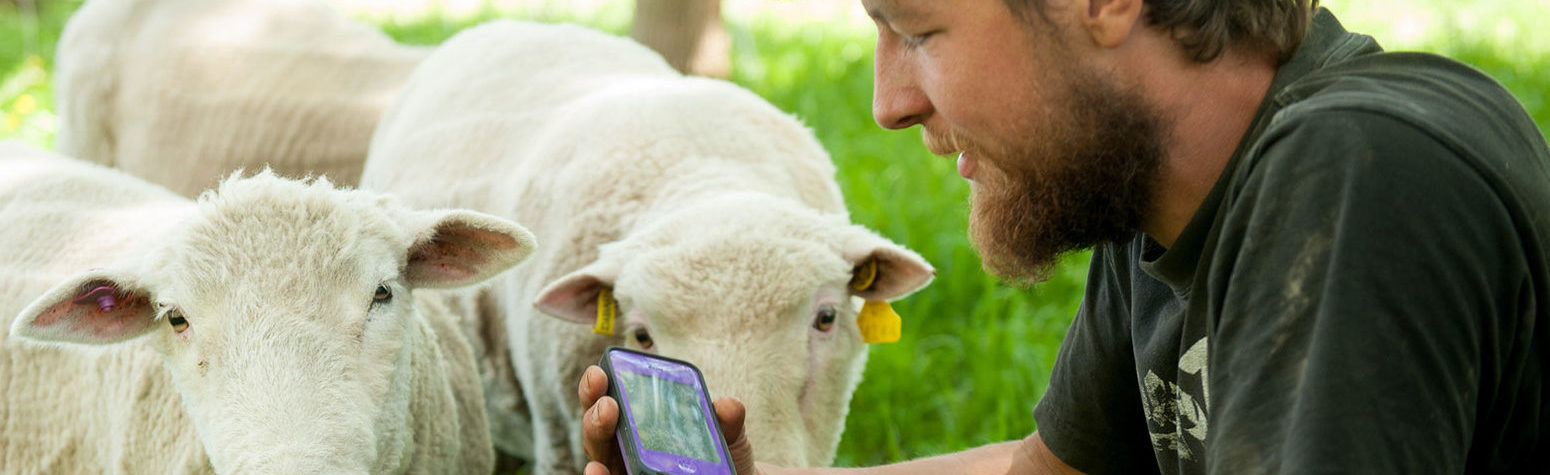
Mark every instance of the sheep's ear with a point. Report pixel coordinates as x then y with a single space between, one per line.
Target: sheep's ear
898 271
464 247
95 308
574 297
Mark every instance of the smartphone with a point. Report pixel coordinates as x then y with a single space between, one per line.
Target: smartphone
666 423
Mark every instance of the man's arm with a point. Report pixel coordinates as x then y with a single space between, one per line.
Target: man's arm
1028 456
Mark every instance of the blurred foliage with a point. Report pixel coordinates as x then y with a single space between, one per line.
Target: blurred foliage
975 355
28 33
435 24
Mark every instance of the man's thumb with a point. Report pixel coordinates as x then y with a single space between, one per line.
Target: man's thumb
730 414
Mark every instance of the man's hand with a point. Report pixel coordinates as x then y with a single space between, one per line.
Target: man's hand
1029 456
602 416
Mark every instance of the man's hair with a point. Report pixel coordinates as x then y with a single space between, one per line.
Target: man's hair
1206 28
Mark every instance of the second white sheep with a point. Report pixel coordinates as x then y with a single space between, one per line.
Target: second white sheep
710 216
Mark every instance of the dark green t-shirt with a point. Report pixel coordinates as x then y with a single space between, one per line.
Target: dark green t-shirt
1363 291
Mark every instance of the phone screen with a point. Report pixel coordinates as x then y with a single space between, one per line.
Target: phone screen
668 416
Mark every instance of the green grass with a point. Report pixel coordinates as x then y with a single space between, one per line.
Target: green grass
975 355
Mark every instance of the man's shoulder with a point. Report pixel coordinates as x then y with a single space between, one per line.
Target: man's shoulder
1370 115
1457 106
1373 81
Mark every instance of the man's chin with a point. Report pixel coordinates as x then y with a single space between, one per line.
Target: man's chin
1013 266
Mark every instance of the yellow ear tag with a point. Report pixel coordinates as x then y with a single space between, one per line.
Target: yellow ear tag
864 276
607 309
878 322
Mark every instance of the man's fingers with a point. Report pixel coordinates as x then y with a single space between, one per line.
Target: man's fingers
595 468
597 427
730 414
598 423
600 420
594 384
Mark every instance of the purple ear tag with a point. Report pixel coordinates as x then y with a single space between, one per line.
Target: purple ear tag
105 296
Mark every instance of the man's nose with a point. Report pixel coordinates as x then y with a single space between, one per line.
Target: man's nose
897 101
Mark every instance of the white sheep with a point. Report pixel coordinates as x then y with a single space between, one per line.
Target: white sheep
182 92
271 327
711 216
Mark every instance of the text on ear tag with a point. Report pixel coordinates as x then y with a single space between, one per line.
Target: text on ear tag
865 276
607 309
878 322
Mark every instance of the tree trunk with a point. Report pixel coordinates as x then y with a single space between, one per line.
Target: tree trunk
688 33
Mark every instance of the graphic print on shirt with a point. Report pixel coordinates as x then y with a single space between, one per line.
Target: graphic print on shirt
1176 410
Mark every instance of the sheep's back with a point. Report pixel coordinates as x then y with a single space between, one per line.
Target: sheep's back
72 409
182 92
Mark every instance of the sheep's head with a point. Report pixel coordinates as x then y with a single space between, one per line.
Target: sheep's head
283 312
758 293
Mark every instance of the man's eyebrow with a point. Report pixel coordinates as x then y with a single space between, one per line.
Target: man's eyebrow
877 10
883 10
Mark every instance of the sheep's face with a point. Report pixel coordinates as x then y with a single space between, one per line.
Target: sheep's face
761 301
283 313
289 332
770 323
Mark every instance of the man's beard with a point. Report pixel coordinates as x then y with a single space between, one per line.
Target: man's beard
1082 176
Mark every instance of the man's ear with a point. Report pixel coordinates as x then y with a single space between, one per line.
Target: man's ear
95 308
1110 22
574 297
898 271
462 248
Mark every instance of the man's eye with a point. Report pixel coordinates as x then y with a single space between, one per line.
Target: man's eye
915 41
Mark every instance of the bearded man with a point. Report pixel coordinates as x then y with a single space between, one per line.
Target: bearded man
1309 255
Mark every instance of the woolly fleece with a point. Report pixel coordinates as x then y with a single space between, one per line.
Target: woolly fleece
712 216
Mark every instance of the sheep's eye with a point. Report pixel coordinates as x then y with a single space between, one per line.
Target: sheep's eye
643 339
383 295
175 318
825 319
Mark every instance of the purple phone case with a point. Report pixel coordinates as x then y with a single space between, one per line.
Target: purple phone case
621 360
